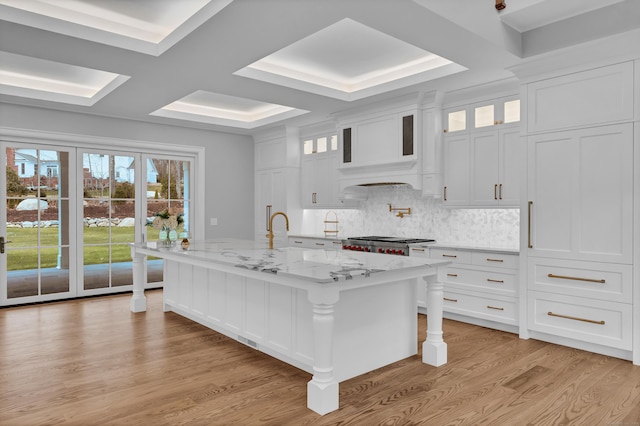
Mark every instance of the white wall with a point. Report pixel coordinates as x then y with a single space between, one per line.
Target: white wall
228 158
428 219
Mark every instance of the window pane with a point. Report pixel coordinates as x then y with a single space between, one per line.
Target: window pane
512 111
334 142
457 121
484 116
307 147
322 144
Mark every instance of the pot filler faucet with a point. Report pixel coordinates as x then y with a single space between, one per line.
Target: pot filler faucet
270 234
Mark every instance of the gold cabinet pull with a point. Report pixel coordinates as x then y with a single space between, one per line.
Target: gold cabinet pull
529 224
320 244
449 300
551 314
452 275
495 281
445 193
268 215
297 242
495 307
500 192
495 260
564 277
417 249
495 191
449 255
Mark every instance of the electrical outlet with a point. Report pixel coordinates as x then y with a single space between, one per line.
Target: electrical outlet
214 221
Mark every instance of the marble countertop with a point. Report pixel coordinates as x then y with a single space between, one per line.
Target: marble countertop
470 246
316 265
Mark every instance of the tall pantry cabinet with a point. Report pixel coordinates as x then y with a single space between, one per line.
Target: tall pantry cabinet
277 181
579 213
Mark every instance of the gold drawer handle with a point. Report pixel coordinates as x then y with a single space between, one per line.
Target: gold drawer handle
494 307
297 242
320 244
564 277
551 314
449 255
452 275
449 300
495 281
417 249
495 260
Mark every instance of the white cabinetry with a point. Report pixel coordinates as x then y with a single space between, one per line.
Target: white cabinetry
580 191
315 243
578 220
597 96
480 287
482 154
457 161
495 168
277 180
320 181
379 144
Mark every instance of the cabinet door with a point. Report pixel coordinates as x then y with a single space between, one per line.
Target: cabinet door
271 190
309 179
456 170
485 177
511 167
580 189
320 181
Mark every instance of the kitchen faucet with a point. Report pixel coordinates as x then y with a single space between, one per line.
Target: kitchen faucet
270 234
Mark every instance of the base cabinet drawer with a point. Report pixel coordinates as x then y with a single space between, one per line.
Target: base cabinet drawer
603 281
597 321
493 308
455 256
495 260
493 281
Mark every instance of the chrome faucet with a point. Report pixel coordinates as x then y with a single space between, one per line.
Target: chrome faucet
270 234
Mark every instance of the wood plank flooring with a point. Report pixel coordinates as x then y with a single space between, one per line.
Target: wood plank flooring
92 362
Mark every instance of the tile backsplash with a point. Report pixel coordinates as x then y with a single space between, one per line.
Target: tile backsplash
428 219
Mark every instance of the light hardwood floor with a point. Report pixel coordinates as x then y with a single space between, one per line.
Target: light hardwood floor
92 362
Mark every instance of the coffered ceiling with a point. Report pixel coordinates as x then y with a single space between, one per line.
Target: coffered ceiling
242 65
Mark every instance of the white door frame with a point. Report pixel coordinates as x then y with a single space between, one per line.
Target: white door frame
78 143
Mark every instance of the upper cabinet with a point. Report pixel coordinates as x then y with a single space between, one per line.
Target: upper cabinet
482 154
385 139
319 168
598 96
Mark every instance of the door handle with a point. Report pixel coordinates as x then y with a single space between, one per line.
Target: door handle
2 243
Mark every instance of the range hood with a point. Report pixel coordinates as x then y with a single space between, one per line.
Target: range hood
355 182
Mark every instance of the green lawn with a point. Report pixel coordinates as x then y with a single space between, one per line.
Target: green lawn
21 253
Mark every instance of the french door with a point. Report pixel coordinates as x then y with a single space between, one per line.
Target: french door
71 213
37 259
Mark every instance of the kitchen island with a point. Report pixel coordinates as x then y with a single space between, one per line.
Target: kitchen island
335 314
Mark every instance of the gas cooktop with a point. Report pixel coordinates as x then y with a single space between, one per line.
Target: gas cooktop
396 240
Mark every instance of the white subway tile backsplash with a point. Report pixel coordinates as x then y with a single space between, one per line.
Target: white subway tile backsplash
428 219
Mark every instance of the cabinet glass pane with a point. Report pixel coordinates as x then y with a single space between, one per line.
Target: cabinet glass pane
334 142
321 144
457 121
512 111
484 116
307 147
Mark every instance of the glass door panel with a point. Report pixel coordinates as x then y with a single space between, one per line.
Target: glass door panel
168 202
108 219
35 224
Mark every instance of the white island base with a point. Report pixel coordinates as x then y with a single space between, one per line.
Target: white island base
334 330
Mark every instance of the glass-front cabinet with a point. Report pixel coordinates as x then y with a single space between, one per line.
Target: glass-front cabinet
483 138
320 177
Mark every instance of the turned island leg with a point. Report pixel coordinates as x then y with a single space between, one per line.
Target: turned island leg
322 390
434 349
138 300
